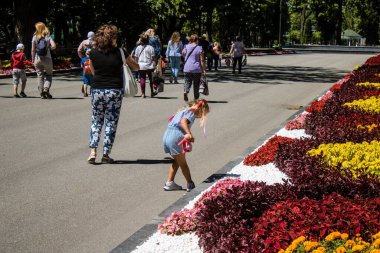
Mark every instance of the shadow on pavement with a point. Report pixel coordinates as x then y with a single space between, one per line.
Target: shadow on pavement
216 102
69 98
268 74
216 177
166 97
143 161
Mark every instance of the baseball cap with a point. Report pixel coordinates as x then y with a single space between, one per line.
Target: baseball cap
19 46
90 35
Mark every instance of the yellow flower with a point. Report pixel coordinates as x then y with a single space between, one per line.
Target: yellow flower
341 249
356 157
358 248
369 85
370 105
375 251
281 251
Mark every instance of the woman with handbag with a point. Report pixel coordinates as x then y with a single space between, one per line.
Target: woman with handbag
194 66
145 56
107 89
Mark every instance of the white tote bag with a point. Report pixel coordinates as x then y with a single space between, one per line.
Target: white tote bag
129 81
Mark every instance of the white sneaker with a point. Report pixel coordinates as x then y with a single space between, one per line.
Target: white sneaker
171 186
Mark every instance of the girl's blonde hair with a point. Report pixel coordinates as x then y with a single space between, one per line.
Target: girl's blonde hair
41 30
175 37
150 32
203 106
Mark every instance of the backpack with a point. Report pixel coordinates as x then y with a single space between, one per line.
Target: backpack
87 67
42 47
155 43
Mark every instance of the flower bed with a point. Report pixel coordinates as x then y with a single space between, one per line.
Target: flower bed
331 182
336 242
60 63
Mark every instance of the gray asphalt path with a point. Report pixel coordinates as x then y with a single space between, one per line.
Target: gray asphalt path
51 200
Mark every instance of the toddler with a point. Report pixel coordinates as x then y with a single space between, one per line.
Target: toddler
88 77
18 72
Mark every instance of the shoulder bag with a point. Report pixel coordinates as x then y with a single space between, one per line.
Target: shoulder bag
129 81
203 86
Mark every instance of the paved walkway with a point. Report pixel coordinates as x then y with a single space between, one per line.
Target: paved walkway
51 200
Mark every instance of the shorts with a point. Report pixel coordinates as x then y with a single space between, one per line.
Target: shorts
88 79
17 75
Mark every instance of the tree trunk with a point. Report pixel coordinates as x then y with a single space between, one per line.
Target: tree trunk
303 21
209 24
26 14
338 30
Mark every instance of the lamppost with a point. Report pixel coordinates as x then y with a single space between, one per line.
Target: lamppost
279 26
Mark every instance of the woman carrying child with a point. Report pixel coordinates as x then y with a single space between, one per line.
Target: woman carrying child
177 141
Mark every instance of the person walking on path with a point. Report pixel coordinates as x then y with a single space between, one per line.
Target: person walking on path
107 90
42 43
237 51
194 66
217 51
86 44
87 75
173 52
178 138
155 42
17 59
145 55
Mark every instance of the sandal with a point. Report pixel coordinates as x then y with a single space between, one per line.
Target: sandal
91 159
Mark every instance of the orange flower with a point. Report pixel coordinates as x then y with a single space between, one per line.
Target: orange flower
358 248
344 236
350 244
341 249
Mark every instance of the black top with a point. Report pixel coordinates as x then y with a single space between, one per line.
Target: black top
204 44
108 69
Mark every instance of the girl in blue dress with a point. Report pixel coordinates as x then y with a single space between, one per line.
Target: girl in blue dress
178 138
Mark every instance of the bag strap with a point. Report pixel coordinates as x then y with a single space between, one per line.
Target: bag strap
188 56
138 57
122 55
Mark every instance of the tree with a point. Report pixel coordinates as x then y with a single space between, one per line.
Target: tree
26 14
369 13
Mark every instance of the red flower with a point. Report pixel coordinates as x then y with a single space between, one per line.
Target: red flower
266 153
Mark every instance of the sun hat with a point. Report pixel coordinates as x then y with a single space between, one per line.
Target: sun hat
90 35
20 46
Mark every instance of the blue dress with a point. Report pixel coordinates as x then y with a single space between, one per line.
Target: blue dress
175 133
